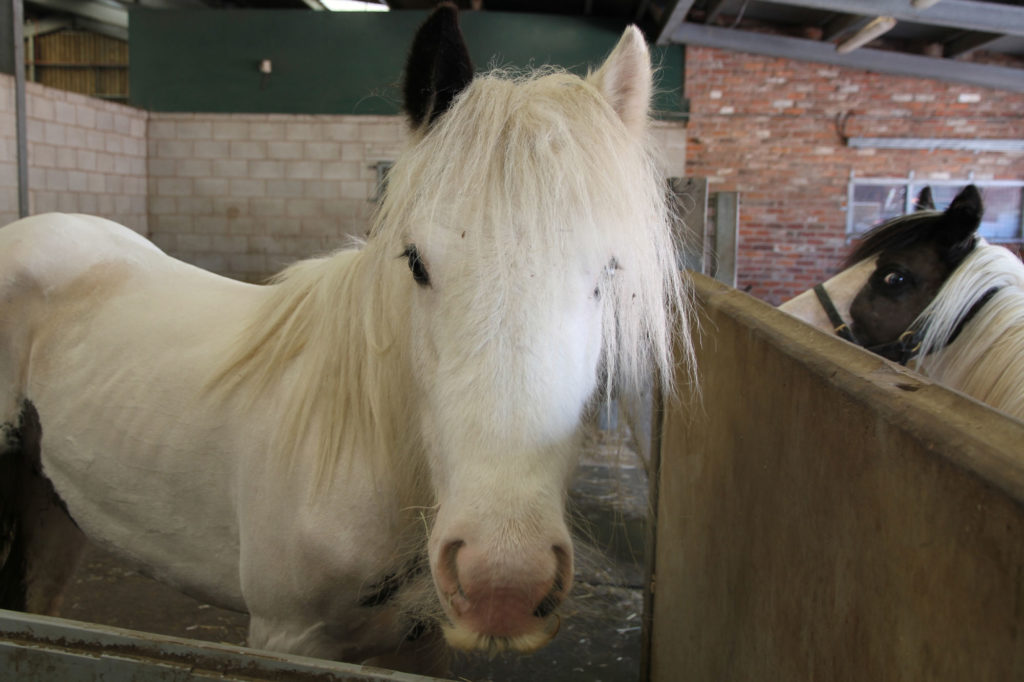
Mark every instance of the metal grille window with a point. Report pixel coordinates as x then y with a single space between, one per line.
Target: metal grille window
875 200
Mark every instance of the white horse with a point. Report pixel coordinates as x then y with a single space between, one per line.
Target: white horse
924 290
374 448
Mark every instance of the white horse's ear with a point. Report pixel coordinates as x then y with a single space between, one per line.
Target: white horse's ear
625 80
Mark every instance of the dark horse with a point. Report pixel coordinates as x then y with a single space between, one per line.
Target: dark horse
924 290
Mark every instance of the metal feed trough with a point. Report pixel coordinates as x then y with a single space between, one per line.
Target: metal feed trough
43 648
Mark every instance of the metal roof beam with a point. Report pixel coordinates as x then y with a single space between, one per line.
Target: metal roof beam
968 42
102 28
103 12
164 4
843 24
676 17
714 8
880 61
972 15
38 27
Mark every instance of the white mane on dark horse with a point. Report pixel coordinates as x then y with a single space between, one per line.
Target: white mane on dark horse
549 136
985 360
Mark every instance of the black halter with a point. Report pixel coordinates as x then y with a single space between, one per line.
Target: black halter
908 344
841 329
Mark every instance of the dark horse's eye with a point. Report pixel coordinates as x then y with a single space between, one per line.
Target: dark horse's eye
419 270
894 279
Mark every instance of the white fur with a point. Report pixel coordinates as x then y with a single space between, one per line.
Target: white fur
842 288
986 361
284 449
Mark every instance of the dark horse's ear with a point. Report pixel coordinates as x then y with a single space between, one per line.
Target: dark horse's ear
925 201
955 233
438 68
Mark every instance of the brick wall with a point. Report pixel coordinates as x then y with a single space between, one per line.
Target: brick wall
766 127
85 155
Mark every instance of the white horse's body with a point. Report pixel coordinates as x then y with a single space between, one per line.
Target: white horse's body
117 356
986 360
378 444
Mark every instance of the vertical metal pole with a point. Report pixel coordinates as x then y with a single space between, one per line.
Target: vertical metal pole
727 225
691 197
21 128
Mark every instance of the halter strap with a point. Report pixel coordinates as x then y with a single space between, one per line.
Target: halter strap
978 305
841 329
904 348
908 344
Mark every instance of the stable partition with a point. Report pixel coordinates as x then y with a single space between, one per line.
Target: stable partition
824 514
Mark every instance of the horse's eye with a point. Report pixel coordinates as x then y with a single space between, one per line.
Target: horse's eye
419 270
894 279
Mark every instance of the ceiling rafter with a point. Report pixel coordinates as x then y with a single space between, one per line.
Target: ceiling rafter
967 42
926 44
881 61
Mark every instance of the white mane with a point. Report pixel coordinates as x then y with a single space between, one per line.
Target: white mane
535 170
986 360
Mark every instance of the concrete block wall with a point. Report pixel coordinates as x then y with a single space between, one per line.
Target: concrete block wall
239 194
85 155
246 194
768 128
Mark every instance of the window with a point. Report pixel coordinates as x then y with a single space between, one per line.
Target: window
873 201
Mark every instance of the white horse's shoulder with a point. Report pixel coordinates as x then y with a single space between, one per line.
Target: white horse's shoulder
53 249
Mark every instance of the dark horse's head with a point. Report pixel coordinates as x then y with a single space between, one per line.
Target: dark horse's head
916 253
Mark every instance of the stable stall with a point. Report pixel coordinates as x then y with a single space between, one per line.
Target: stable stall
825 514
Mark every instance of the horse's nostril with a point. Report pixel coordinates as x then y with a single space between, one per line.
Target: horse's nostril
548 605
447 567
560 586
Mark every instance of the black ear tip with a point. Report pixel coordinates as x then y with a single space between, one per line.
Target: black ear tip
971 192
438 66
925 200
968 201
446 14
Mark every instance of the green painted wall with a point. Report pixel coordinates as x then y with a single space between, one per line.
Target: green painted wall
6 38
341 63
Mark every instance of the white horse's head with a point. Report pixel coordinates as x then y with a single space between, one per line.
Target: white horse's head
532 238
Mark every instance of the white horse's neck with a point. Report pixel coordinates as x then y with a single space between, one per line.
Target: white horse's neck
328 345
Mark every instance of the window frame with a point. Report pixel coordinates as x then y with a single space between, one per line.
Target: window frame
913 186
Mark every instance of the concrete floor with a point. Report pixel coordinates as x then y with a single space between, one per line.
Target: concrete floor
599 640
